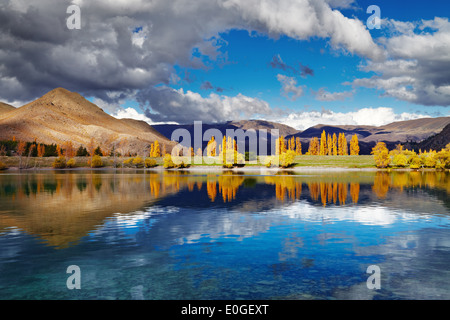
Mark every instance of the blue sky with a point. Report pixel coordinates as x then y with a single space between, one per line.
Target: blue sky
299 62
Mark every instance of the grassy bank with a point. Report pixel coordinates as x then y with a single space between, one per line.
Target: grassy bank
300 161
335 161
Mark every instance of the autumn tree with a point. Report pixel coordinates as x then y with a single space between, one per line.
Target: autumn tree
211 147
20 151
354 146
280 144
91 147
59 150
323 144
314 147
381 155
69 150
342 145
334 145
40 150
298 147
329 145
156 149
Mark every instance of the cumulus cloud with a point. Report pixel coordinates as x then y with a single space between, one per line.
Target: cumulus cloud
164 104
289 87
128 46
365 116
417 69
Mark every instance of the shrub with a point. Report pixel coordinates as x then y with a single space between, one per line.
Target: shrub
138 162
287 159
429 159
59 163
71 163
128 162
270 161
167 162
176 162
150 163
96 162
400 160
415 162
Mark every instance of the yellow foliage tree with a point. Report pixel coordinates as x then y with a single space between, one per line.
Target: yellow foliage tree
334 145
381 155
354 146
314 147
298 147
329 145
323 144
211 147
342 145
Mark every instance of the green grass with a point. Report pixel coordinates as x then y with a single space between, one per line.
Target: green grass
335 161
300 161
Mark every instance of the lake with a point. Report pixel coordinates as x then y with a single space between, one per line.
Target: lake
161 235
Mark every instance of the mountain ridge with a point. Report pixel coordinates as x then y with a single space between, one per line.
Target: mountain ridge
61 115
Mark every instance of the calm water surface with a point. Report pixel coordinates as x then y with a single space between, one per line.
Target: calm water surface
175 235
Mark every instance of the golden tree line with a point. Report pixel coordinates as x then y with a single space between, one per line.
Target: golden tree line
327 145
404 158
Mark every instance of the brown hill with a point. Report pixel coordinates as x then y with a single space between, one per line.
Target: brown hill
411 130
438 141
61 115
401 131
4 108
262 124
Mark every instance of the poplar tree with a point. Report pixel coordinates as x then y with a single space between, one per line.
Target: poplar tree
334 145
323 144
298 147
354 146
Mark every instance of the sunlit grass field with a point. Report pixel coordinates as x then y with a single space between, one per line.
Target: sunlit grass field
300 161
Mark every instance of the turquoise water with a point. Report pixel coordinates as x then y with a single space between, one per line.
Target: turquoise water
140 235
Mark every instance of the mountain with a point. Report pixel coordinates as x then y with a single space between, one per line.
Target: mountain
61 115
168 129
437 141
412 131
401 131
4 108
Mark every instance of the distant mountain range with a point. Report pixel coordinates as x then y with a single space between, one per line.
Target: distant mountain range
61 115
412 131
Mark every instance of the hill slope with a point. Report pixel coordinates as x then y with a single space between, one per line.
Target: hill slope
61 115
402 131
438 141
4 108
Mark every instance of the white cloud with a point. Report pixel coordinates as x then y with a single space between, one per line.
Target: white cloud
130 113
289 87
167 104
323 95
366 116
418 66
112 53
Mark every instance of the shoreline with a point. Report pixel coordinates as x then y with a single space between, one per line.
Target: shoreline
200 168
